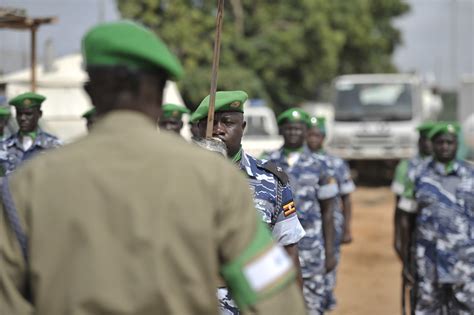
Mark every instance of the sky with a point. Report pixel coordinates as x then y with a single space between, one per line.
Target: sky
438 35
438 40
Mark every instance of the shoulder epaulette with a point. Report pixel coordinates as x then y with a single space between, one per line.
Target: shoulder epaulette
275 170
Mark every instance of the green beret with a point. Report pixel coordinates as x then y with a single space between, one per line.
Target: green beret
5 111
128 44
444 128
174 111
425 127
27 100
89 113
318 122
294 115
226 101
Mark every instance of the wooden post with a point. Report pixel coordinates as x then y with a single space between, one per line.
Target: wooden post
215 68
34 28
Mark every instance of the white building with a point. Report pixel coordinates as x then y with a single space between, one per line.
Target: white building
66 99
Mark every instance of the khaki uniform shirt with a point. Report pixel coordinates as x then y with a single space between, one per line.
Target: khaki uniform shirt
127 221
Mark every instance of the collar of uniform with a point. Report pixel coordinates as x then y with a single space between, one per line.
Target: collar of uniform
452 167
237 157
37 141
287 151
247 164
123 120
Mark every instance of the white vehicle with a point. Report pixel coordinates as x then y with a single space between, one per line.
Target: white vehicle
466 114
261 134
375 119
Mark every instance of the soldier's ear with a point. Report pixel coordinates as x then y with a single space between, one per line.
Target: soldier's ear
40 113
244 125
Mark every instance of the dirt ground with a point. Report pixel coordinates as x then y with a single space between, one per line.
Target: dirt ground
369 273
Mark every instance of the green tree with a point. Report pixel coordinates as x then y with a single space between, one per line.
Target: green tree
282 51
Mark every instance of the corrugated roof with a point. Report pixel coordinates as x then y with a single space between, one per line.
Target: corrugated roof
17 19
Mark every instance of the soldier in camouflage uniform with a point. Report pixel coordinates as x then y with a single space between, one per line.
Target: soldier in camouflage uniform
4 117
171 118
30 139
443 200
342 211
401 177
314 189
272 194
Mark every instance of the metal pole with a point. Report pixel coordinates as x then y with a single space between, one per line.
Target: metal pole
454 42
33 58
215 68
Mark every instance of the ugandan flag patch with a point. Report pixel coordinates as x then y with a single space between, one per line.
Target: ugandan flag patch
289 208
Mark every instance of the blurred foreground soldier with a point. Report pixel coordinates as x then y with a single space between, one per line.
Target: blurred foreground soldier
314 190
30 139
112 234
443 192
91 117
342 211
401 179
271 191
171 118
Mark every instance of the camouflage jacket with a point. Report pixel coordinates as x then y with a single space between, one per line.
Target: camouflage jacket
444 232
311 181
16 155
273 199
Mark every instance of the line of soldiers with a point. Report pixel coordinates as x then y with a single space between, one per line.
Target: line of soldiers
299 178
30 138
130 221
434 223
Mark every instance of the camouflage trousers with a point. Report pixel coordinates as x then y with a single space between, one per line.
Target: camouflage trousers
227 305
314 293
330 278
444 299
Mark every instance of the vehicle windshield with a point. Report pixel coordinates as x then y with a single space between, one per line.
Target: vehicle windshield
373 101
255 126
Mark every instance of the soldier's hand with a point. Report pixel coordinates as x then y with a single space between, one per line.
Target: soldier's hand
212 144
347 238
409 275
330 263
398 249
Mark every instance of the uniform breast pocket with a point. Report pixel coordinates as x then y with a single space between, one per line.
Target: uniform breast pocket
465 195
